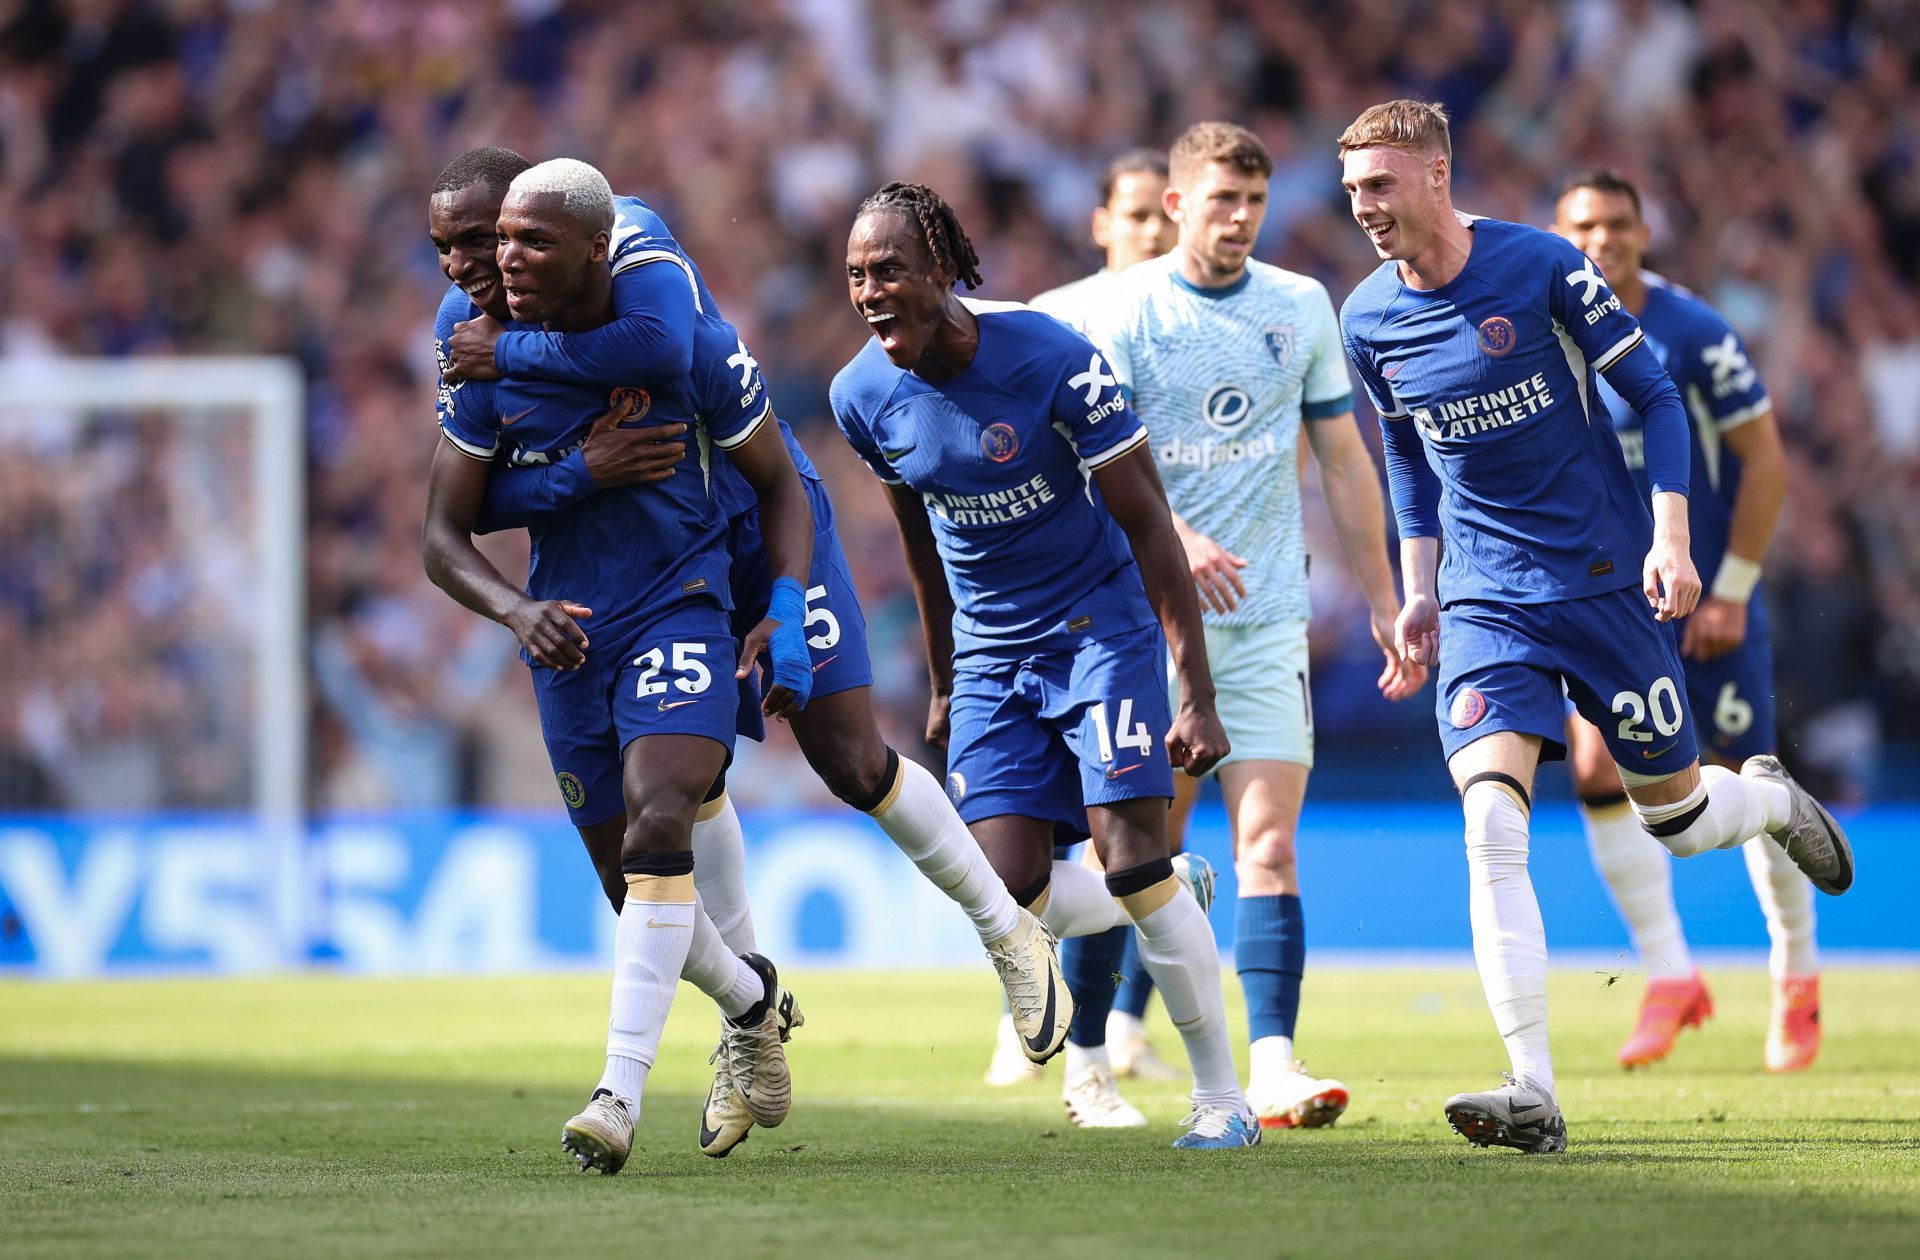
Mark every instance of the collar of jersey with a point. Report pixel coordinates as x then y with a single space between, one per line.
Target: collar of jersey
1226 291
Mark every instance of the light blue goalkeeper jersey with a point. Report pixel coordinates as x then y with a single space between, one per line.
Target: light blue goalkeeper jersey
1223 380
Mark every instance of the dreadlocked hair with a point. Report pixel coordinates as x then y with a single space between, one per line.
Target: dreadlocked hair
946 239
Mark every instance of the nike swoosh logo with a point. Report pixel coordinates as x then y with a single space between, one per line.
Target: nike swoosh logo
665 707
707 1136
1039 1043
1650 754
823 664
516 416
1391 370
655 923
1114 774
892 456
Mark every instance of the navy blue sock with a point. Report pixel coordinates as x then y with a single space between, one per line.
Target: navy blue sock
1137 987
1270 952
1090 964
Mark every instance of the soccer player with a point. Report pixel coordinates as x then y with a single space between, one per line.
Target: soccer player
1479 341
1229 361
836 731
641 710
1130 225
1014 464
1739 479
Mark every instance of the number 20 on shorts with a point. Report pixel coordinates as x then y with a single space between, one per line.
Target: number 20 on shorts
1661 704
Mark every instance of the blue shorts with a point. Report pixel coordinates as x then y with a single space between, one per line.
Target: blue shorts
836 629
1503 667
674 678
1733 694
1047 735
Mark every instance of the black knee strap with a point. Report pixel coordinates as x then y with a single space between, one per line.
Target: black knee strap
1025 897
678 862
1507 780
888 778
718 790
1139 878
1674 826
1604 800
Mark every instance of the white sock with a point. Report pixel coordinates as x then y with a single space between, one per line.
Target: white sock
922 823
646 967
1268 1057
720 873
1737 809
1080 1058
1509 942
1639 873
1787 898
1124 1024
717 971
1078 903
1178 951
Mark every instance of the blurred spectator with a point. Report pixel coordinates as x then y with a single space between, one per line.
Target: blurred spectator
195 176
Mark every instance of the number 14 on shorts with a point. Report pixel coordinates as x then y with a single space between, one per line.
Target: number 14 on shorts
1124 733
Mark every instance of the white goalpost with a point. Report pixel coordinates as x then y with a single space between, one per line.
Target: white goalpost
271 393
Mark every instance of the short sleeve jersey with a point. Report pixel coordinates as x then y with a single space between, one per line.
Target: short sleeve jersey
1003 454
1497 370
1223 379
633 554
1716 379
731 393
641 236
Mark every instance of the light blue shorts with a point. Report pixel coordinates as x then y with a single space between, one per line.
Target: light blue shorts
1261 690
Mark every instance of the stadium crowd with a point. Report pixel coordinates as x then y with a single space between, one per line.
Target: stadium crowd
201 176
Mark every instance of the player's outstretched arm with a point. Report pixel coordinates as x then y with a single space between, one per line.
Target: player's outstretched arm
786 530
931 592
1131 487
649 339
1719 624
526 498
548 629
1351 488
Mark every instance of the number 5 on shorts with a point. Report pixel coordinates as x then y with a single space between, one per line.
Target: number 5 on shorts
1138 737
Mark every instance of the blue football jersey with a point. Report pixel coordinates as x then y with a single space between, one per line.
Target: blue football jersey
1496 372
630 553
731 394
1003 455
1709 364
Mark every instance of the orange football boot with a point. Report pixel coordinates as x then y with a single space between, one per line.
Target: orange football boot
1793 1030
1668 1005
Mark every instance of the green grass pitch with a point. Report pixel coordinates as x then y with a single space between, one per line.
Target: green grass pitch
323 1116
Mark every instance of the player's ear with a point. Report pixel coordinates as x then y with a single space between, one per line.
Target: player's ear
1439 171
1172 202
598 253
1102 219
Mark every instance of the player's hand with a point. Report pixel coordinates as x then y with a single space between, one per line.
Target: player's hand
1416 631
780 635
1402 676
470 350
550 631
1196 741
937 728
1717 627
1671 583
619 456
1216 571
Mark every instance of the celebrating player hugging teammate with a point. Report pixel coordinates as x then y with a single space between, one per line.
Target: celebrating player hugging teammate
668 326
1739 478
1015 465
639 729
1228 361
1479 342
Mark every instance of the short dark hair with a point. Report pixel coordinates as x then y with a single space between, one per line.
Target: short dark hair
1600 179
496 168
1207 142
1132 162
947 241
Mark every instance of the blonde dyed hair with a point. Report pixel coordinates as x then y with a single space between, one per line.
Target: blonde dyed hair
1416 126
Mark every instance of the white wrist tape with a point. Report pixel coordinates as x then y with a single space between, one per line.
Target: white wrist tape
1736 579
